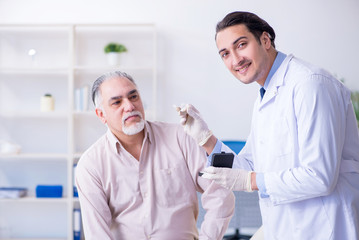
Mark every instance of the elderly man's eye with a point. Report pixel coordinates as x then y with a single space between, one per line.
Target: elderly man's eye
133 97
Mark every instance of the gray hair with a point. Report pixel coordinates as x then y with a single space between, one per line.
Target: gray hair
96 94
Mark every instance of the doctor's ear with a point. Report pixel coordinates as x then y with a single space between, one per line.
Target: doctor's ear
266 39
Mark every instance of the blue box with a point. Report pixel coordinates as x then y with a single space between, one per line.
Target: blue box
76 193
49 191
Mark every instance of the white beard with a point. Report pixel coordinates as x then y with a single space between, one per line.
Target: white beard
135 128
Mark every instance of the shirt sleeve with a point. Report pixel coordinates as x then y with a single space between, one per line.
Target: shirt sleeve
217 201
97 217
261 185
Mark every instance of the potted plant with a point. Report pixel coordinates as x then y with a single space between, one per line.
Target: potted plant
113 51
355 100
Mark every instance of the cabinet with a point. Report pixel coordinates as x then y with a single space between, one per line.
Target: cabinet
58 60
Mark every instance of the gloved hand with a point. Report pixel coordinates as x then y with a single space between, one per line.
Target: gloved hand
193 123
232 179
259 235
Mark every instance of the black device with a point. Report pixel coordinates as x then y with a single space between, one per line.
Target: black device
222 159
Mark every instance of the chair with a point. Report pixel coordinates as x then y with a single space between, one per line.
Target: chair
246 213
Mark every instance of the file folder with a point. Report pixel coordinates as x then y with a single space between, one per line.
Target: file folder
73 181
77 224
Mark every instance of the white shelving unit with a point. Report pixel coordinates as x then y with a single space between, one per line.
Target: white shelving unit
68 57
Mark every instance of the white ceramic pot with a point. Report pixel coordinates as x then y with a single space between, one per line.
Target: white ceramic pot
113 58
47 103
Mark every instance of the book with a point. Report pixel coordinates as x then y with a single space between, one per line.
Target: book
77 224
12 192
81 98
73 182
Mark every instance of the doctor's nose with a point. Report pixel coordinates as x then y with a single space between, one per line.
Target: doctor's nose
236 59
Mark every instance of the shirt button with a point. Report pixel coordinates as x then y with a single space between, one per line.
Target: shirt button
141 173
149 237
169 171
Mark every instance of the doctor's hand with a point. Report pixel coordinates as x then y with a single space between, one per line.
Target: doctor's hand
193 123
232 179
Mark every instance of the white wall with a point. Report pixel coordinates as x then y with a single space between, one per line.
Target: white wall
324 32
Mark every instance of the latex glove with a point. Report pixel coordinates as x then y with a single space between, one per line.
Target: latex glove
193 123
232 179
259 235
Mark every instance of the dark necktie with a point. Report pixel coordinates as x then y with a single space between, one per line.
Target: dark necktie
262 92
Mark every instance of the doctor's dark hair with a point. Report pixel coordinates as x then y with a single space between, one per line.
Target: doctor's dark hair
254 24
96 95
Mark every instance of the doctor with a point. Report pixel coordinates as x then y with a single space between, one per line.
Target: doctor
302 153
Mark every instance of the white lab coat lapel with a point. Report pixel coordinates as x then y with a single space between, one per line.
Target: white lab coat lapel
275 83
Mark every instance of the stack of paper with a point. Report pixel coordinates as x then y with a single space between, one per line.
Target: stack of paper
12 192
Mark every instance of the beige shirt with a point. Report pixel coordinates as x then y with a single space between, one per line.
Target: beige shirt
153 198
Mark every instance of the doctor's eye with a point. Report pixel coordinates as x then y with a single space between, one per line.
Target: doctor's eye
224 54
242 45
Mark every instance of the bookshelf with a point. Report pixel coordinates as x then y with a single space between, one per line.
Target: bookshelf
58 59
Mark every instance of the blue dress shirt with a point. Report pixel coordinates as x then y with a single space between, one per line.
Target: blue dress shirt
277 62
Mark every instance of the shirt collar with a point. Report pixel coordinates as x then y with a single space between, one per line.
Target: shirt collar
115 143
277 62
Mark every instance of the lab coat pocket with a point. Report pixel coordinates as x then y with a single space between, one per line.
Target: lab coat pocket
173 185
282 142
308 216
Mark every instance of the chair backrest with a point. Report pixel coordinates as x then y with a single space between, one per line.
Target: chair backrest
247 212
236 146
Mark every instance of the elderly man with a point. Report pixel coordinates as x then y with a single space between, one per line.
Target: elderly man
139 180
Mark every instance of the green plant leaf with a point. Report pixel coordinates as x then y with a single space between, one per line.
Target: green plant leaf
115 47
355 100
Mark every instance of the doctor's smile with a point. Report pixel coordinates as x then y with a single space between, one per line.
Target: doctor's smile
242 69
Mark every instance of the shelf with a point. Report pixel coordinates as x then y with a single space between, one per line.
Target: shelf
45 115
35 156
62 60
34 28
90 113
33 200
35 71
103 69
33 238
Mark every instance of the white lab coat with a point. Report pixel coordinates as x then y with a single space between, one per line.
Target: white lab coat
304 138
